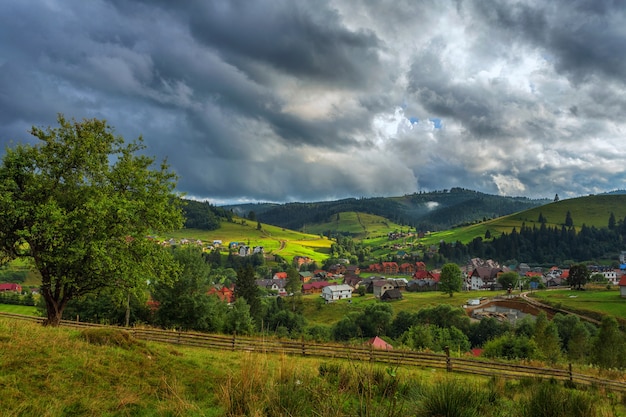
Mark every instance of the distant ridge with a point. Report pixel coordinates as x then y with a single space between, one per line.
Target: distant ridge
425 211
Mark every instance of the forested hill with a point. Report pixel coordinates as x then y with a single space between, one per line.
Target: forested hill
437 210
203 215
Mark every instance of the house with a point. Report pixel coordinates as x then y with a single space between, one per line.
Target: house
298 261
422 285
484 277
622 286
391 268
378 343
423 274
305 276
225 294
9 287
277 285
314 287
258 249
380 286
352 280
407 268
353 270
280 275
336 292
244 250
337 269
393 294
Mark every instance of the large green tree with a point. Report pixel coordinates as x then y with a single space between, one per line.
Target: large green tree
578 276
451 279
184 303
246 288
81 203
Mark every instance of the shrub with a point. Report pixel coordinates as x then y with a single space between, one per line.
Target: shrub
451 399
548 399
110 337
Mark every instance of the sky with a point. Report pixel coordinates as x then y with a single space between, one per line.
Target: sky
300 100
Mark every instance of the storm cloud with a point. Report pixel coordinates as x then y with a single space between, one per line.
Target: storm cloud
305 101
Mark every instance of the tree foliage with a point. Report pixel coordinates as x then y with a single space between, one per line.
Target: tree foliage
451 279
81 202
184 303
578 276
246 288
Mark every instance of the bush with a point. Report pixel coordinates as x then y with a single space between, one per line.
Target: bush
451 399
110 337
547 399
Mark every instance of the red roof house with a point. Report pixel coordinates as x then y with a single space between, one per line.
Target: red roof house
11 287
622 286
224 294
378 343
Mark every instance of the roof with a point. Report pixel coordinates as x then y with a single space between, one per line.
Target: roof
315 285
393 294
342 287
10 287
378 343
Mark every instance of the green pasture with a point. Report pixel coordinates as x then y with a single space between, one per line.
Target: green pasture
275 240
358 225
317 312
590 210
597 300
18 309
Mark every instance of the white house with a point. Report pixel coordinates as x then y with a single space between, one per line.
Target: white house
336 292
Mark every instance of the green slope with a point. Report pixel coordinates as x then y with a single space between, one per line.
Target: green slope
591 210
355 224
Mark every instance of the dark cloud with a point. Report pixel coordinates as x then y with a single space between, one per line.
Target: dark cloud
295 100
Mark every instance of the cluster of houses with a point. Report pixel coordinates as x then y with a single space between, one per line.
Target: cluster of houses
340 280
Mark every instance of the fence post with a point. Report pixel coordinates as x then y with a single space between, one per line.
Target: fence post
571 375
303 348
233 343
448 361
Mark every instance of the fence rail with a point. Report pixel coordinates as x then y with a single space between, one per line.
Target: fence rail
393 357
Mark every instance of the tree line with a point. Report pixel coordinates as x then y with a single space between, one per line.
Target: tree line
542 244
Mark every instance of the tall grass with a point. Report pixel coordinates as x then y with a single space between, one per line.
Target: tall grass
62 372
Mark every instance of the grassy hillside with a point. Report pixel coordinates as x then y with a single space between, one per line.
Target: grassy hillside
61 372
589 210
274 239
355 224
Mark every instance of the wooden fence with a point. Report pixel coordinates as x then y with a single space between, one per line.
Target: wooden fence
356 353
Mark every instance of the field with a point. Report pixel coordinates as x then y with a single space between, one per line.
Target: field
17 309
58 371
275 240
590 210
316 312
358 225
599 300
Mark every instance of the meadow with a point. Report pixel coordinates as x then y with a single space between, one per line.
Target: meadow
589 210
106 372
275 240
598 300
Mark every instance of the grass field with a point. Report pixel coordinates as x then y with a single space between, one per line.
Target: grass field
590 210
599 300
17 309
50 372
275 240
316 312
358 225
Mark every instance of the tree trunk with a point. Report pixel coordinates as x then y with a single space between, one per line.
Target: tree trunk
54 310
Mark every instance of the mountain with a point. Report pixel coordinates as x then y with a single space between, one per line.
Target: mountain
425 211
